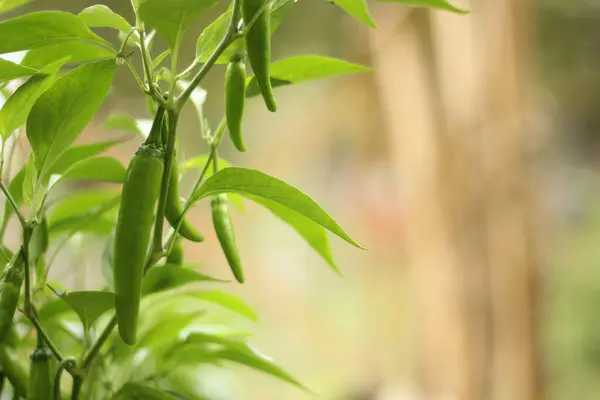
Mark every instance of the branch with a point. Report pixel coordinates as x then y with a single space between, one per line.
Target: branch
229 37
14 205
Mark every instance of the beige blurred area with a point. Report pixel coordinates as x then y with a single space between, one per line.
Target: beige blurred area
467 164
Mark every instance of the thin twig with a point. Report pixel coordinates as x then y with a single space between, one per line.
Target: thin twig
14 205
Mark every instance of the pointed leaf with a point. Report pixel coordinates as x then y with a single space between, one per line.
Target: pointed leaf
61 113
172 18
248 181
168 330
50 27
89 305
199 162
76 51
119 121
8 5
440 4
78 153
10 71
211 36
106 169
170 276
357 9
314 234
305 68
92 210
238 351
228 301
252 358
29 181
139 390
15 111
100 16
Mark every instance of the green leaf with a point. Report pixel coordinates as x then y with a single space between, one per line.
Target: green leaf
252 182
16 109
10 71
8 5
199 162
357 9
226 300
100 16
53 309
29 181
211 36
77 52
305 68
235 350
120 121
172 18
440 4
170 276
89 305
167 329
139 390
105 169
61 113
50 27
107 263
78 153
16 190
81 209
314 234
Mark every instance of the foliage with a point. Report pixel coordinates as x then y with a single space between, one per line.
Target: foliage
64 78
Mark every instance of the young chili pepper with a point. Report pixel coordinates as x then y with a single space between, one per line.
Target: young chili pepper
14 371
258 47
235 96
173 208
175 257
10 291
134 223
224 230
40 374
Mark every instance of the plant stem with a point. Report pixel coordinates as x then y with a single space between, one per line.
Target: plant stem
26 238
14 204
171 239
89 358
249 25
229 37
64 364
42 333
162 199
77 383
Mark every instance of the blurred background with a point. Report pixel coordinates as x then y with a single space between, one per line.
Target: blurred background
467 163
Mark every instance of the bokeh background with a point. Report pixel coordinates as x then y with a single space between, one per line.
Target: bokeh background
467 162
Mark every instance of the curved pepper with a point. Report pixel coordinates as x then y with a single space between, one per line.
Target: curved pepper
134 224
224 230
258 47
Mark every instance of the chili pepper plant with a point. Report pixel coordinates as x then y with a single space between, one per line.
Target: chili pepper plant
157 322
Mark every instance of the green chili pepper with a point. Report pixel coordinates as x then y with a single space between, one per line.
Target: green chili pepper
13 370
258 47
134 223
40 374
10 291
224 230
175 257
235 96
174 209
